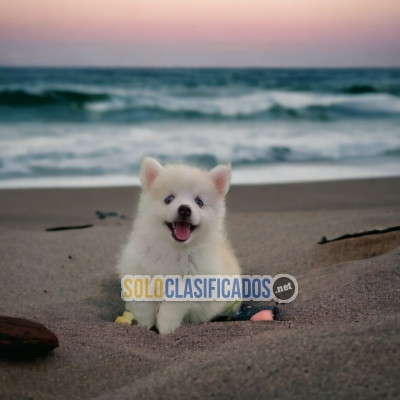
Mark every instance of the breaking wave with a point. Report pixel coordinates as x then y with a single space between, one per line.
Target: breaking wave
140 105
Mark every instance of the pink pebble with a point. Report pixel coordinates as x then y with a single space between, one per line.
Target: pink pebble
264 315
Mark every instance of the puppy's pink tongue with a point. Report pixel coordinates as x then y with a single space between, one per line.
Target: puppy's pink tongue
182 230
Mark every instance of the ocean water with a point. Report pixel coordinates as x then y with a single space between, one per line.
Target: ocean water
90 127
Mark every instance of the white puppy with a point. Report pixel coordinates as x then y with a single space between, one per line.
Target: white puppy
179 230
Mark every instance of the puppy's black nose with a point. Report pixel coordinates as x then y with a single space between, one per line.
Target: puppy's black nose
184 211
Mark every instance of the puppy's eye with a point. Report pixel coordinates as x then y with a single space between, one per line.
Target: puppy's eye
169 199
199 202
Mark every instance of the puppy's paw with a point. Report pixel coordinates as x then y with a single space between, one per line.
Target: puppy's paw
147 323
166 325
167 329
145 314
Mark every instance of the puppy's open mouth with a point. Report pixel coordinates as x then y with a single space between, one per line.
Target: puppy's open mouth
181 230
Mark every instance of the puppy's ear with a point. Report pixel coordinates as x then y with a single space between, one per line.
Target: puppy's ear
149 171
221 176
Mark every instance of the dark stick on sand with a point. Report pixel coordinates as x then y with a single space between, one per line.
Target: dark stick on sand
366 233
65 228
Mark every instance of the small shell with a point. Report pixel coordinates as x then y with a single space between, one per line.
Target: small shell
264 315
126 318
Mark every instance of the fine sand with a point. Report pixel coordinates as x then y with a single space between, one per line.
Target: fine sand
339 339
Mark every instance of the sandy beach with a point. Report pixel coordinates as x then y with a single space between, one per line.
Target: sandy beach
339 339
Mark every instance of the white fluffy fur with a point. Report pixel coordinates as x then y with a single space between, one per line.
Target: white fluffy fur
151 250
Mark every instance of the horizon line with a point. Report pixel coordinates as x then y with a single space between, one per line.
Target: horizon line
2 66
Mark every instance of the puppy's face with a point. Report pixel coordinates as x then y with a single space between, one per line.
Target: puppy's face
183 203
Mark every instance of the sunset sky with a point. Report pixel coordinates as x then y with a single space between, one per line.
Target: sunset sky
200 32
